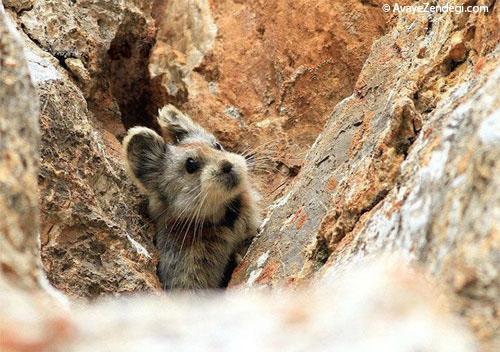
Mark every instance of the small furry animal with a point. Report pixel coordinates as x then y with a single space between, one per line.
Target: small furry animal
201 199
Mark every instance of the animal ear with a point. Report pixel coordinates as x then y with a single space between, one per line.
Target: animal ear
178 126
145 155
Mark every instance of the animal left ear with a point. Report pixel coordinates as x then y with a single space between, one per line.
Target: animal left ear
146 156
178 126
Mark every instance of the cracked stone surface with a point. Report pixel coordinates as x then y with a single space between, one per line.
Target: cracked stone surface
445 215
401 167
94 237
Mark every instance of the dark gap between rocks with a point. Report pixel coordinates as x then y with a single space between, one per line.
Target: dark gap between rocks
128 73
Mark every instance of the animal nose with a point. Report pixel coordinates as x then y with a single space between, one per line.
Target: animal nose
226 167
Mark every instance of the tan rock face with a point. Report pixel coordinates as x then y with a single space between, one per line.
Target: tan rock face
444 215
94 240
19 141
403 165
268 79
94 237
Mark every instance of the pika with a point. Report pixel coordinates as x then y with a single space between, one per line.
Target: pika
201 199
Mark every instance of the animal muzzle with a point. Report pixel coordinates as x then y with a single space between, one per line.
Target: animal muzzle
228 175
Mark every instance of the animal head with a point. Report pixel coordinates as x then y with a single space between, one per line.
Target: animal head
186 170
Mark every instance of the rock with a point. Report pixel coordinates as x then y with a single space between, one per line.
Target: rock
339 317
18 5
457 47
187 35
401 167
19 143
375 306
94 236
94 239
76 67
278 67
111 40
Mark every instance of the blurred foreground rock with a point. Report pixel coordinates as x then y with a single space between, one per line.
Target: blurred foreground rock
375 307
19 144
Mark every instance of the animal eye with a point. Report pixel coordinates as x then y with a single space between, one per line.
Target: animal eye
192 165
218 146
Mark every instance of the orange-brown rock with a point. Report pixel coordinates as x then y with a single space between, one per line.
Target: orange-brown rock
263 75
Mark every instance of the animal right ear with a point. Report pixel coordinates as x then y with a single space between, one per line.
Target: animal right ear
145 154
177 125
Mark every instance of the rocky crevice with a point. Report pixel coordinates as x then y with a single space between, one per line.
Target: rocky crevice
127 72
296 81
107 58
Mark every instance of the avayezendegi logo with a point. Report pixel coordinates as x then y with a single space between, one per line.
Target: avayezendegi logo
428 8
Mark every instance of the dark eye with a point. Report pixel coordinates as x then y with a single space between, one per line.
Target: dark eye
218 146
192 165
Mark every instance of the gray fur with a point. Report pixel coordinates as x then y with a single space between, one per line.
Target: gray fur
202 217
